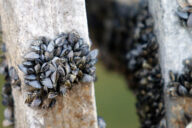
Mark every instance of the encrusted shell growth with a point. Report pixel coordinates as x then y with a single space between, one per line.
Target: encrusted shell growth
184 12
7 98
54 66
128 44
143 65
11 80
180 84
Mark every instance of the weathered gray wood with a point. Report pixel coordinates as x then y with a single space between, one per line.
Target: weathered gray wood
23 20
175 45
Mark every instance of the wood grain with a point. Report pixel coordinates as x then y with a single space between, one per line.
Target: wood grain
24 20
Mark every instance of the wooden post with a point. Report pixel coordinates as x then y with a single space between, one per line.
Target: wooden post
23 20
175 46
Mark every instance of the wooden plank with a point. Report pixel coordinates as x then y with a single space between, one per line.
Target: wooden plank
23 20
175 46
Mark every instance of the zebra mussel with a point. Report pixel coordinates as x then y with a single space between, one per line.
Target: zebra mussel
180 84
184 12
54 66
128 44
15 81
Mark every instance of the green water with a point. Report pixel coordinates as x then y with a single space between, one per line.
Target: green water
115 103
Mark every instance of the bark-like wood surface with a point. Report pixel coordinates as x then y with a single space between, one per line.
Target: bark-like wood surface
175 46
24 20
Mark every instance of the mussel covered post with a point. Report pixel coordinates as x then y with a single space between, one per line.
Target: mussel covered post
48 45
175 42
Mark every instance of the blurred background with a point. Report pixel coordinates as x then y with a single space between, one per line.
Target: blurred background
115 103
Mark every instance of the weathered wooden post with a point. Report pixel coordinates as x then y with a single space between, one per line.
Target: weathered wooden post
24 20
175 46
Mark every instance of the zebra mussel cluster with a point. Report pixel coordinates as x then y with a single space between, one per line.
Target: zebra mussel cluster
143 62
184 12
54 66
150 103
181 84
108 25
7 98
11 80
128 41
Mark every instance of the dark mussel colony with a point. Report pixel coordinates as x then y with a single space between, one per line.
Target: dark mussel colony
184 12
180 84
7 99
54 66
125 37
11 80
70 58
